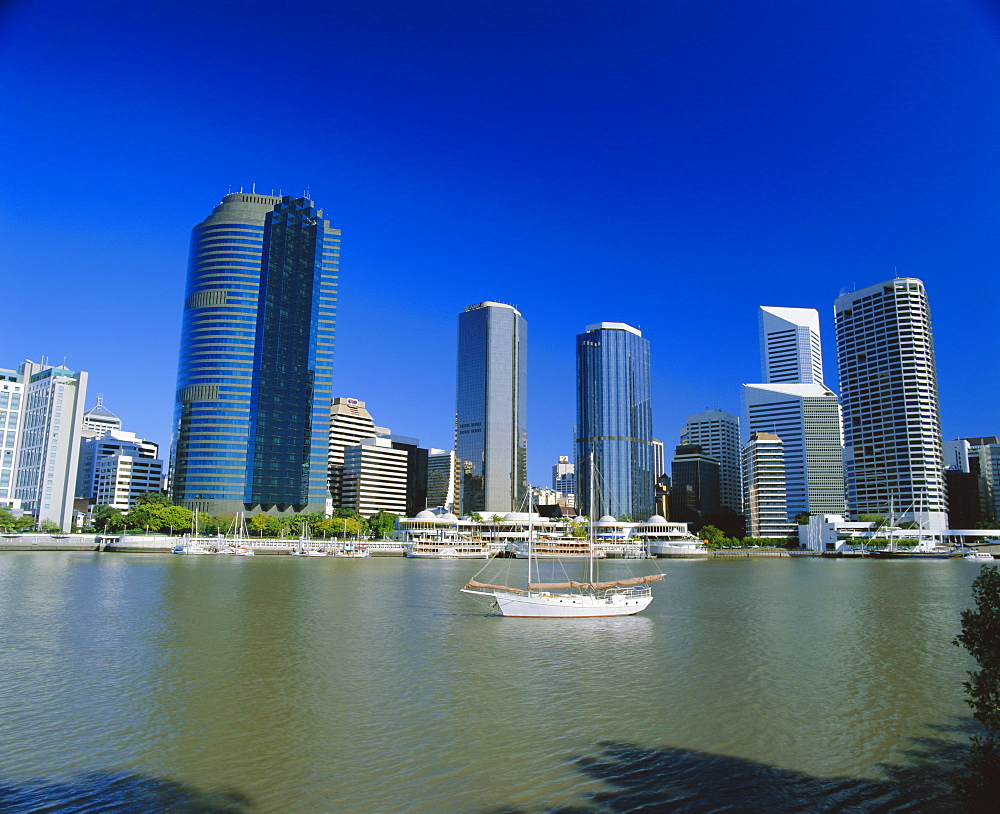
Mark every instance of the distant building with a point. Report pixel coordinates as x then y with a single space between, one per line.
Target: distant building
614 426
443 479
49 451
764 482
564 479
99 420
11 397
416 473
350 422
718 434
695 486
790 349
659 460
255 373
116 467
374 477
893 458
491 432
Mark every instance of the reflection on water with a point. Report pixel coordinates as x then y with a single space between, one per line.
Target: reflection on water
274 684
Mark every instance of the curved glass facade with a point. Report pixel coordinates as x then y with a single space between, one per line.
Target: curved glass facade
254 379
491 436
614 422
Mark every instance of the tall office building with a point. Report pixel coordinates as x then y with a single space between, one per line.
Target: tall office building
117 467
764 482
718 434
695 486
614 422
254 379
49 447
443 484
790 349
375 476
350 423
491 430
893 458
564 476
794 404
11 395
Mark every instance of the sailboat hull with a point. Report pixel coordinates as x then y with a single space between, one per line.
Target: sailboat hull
571 606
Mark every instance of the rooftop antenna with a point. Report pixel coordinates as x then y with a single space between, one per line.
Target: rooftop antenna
253 189
229 191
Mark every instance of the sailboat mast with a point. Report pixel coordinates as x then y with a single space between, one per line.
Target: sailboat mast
590 530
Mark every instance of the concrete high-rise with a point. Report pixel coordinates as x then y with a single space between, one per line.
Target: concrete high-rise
254 379
790 349
893 459
491 431
614 422
794 404
350 423
718 434
764 485
49 447
11 396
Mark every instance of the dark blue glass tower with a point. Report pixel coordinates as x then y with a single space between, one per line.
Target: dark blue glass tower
254 382
614 422
491 436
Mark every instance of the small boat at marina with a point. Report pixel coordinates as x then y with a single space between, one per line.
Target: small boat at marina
192 547
981 556
350 549
570 548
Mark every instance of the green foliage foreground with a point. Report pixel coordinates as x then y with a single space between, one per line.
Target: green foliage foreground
979 787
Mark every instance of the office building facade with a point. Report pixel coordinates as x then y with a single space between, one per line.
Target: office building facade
614 422
375 476
790 347
718 434
117 467
893 457
443 479
695 486
49 446
350 422
11 396
491 431
764 481
256 363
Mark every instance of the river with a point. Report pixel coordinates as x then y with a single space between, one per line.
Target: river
152 682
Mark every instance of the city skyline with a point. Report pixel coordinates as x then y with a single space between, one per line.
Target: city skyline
744 155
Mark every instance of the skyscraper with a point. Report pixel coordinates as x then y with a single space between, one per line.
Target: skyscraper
888 388
491 431
795 405
255 373
614 422
49 447
718 434
790 349
764 482
350 423
694 491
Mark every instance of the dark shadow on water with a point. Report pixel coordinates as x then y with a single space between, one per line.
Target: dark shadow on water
117 793
638 778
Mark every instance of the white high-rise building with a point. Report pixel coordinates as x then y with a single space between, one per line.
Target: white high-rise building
564 479
718 434
117 467
764 479
52 418
893 458
11 394
99 420
374 478
350 422
807 419
790 349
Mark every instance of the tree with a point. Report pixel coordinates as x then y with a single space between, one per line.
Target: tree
475 517
979 788
877 519
713 536
153 499
381 525
108 518
175 518
626 518
909 524
802 518
264 525
49 527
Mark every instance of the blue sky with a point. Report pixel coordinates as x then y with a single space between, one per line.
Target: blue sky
672 165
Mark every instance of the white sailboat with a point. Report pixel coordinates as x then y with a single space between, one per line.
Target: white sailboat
237 540
569 598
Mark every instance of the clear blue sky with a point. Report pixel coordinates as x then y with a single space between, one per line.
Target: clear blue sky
673 165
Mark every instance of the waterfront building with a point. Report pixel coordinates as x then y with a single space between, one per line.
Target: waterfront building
375 477
807 419
614 422
695 486
718 434
11 395
443 479
117 467
491 429
256 362
350 422
49 449
764 482
564 479
988 456
893 459
416 472
790 349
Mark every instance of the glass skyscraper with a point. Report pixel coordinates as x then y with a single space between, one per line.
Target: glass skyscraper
254 380
491 432
614 422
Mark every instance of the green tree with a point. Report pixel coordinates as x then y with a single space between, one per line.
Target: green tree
475 517
626 518
802 518
49 527
7 521
343 511
153 499
979 787
108 518
877 519
381 525
264 525
713 537
577 529
174 518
